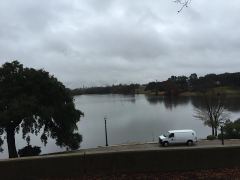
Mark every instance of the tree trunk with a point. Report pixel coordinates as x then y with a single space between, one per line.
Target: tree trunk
216 132
212 130
12 151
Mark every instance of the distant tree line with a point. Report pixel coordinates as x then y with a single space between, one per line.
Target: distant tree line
114 89
170 87
178 84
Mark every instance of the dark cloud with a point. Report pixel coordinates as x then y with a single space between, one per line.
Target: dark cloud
117 41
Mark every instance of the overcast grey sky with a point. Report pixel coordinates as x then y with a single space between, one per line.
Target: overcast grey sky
101 42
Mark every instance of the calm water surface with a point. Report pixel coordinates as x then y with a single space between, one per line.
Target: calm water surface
139 118
136 118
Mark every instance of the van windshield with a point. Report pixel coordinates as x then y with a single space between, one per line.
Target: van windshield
166 134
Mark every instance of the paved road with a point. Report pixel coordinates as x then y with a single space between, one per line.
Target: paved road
156 146
150 146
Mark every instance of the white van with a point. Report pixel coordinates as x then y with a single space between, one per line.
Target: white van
186 136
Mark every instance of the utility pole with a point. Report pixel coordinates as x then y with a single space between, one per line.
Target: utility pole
105 120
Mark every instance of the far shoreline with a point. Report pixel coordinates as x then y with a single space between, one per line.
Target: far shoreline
161 94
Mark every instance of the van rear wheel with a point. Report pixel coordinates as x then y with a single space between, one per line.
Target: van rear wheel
189 142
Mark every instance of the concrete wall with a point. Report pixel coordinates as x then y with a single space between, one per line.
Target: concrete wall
162 160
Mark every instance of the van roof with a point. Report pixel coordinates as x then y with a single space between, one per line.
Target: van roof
182 130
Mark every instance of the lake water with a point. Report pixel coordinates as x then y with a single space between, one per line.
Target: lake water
139 118
131 119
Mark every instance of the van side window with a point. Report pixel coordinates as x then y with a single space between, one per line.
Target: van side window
171 135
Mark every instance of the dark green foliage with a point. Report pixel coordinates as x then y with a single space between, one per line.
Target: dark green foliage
220 136
34 100
153 86
114 89
192 82
232 129
211 137
29 151
172 87
178 84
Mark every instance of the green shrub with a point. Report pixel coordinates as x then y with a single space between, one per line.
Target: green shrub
211 137
220 136
29 151
232 129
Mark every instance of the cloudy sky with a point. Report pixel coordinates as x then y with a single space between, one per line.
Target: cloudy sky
101 42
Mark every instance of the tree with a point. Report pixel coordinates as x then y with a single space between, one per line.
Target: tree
171 88
192 81
213 112
182 83
35 102
232 129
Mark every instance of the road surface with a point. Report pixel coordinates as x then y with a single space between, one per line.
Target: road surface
155 146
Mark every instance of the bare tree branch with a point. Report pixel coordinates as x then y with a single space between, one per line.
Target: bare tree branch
183 3
213 112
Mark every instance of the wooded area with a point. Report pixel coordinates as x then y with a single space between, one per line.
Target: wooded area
171 87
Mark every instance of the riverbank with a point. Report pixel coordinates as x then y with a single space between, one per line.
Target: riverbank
122 163
228 91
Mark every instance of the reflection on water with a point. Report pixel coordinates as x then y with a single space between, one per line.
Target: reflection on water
139 118
231 103
169 102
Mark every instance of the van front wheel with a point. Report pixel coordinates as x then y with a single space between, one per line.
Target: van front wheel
190 143
165 144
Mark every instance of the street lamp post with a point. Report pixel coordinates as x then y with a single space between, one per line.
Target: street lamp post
222 135
221 123
156 89
105 120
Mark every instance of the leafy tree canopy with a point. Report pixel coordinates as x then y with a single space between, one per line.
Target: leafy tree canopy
232 129
34 101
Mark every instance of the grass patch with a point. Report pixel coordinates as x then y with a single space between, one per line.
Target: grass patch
228 90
